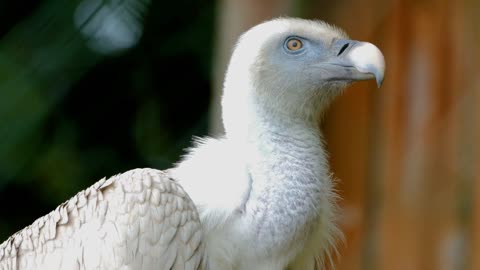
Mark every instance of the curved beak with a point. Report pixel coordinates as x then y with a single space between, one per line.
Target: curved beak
355 60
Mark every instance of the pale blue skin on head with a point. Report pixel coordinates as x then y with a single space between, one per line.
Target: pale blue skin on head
323 60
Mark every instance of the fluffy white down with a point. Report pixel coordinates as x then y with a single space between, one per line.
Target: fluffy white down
236 236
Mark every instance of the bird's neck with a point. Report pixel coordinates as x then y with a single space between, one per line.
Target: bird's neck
286 159
289 174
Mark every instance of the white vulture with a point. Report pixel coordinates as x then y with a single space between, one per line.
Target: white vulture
260 197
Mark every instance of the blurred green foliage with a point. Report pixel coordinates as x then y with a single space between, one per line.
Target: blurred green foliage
70 115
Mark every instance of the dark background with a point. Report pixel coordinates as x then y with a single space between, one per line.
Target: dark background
70 115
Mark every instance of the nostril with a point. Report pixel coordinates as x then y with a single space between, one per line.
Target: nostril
344 47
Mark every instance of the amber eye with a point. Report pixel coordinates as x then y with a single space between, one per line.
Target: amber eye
294 44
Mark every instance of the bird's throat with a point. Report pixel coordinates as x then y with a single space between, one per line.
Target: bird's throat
290 181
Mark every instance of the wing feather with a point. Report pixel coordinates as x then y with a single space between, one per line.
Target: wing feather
141 219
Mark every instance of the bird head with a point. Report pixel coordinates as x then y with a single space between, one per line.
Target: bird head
295 67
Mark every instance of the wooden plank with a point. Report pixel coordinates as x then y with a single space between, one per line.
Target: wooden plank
468 21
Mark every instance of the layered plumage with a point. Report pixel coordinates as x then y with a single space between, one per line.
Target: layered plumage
261 196
141 219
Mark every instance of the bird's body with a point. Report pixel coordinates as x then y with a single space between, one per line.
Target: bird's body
263 193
